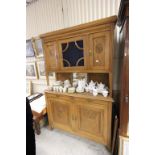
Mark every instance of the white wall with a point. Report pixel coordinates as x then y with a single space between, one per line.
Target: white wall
48 15
81 11
43 16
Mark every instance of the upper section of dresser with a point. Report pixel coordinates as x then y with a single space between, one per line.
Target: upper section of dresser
83 48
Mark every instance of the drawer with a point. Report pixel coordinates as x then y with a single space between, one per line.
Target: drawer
60 96
90 101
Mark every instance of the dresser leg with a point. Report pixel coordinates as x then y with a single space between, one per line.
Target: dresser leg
37 127
50 127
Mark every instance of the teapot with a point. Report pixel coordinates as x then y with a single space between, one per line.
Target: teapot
92 83
91 86
100 87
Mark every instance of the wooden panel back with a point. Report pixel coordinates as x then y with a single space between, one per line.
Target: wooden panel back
64 76
99 77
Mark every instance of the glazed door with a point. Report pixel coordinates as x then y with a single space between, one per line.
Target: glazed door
73 53
100 51
91 121
61 112
51 56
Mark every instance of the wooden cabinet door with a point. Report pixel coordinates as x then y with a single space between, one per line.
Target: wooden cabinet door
51 56
73 53
100 50
91 121
61 113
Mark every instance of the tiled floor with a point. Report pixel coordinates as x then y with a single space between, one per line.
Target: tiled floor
57 142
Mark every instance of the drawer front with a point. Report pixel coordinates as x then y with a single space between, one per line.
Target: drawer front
60 97
93 102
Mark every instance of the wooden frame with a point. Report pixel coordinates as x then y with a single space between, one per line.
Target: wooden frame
37 43
30 52
67 40
42 71
31 70
28 88
123 145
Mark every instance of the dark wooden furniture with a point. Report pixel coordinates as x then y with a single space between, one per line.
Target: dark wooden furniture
123 23
37 116
36 119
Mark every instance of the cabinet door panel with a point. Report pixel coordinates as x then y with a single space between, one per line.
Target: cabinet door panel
100 51
61 111
90 122
51 56
72 53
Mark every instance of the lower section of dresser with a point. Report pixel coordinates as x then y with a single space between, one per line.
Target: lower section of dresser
81 116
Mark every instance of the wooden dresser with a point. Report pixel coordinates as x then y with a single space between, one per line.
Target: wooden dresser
123 22
86 48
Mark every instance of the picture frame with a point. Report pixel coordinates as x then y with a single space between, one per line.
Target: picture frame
123 145
42 71
28 88
30 52
38 47
31 70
